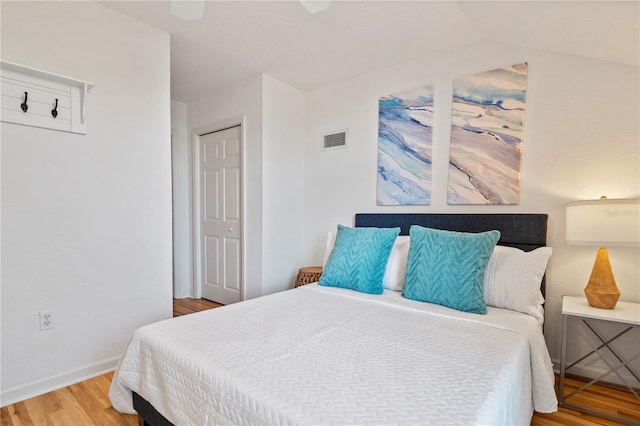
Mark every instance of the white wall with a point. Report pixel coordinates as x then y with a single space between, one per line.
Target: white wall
182 241
86 219
581 141
284 120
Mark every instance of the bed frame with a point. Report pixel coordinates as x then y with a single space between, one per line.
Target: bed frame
147 414
524 231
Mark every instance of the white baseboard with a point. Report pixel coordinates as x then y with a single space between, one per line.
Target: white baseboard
39 387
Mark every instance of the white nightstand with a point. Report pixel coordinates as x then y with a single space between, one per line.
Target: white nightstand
627 315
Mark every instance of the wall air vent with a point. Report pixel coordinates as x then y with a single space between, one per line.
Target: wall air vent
334 140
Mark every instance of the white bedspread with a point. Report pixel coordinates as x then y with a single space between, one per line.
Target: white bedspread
317 355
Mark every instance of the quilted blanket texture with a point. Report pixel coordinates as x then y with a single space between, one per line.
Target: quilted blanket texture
317 355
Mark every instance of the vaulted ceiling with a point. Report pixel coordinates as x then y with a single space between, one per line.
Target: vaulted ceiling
239 39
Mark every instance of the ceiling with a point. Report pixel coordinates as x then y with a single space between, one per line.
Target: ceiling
237 39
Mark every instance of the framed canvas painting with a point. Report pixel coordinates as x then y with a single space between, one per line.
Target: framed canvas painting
487 128
405 123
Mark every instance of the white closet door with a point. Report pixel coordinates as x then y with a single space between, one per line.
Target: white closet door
220 217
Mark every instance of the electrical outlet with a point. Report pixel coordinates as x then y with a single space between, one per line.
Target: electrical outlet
46 320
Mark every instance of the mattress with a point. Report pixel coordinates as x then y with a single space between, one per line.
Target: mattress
320 355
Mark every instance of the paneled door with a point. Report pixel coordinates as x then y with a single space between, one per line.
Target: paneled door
220 215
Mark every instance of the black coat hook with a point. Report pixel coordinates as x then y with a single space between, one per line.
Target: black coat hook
24 105
54 111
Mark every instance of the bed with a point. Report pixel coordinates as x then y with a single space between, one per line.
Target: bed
326 355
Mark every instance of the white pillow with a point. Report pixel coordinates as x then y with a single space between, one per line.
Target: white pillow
512 279
396 265
331 240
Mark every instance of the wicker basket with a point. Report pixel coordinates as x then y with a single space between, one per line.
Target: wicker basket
308 275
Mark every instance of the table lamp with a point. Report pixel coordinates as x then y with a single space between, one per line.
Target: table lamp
603 223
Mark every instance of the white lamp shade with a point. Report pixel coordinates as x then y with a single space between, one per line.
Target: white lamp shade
603 223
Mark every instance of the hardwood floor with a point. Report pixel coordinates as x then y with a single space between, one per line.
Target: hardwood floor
87 403
189 306
599 397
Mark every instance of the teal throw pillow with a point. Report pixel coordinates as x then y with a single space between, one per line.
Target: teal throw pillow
359 258
447 268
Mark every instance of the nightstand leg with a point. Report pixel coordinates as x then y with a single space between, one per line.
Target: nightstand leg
563 355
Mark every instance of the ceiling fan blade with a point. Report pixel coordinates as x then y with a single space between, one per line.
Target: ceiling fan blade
189 10
315 6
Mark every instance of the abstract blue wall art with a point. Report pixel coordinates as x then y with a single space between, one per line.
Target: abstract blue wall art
404 148
487 129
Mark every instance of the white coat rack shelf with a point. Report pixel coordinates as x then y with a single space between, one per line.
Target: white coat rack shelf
32 97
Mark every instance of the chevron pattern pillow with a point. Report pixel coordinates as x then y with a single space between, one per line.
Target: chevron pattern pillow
447 268
359 258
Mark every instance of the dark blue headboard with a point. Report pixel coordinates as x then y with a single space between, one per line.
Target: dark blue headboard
524 231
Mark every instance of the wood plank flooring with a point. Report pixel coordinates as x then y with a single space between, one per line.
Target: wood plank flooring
189 306
87 403
598 397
